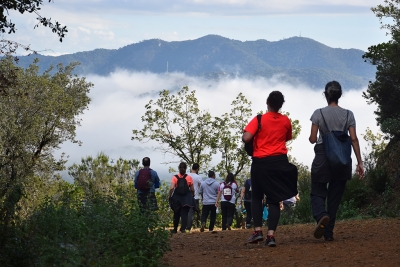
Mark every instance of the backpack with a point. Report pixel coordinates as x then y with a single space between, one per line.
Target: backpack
249 145
182 187
337 145
227 191
143 182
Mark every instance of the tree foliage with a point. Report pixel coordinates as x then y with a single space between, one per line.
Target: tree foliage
180 128
385 90
39 112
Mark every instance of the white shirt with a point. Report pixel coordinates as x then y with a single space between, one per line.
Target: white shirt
197 180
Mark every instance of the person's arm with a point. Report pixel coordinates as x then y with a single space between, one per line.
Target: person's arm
313 134
192 189
218 196
356 149
171 188
156 180
135 180
242 193
246 137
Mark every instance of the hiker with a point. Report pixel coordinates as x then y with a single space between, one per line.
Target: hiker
197 180
181 195
271 173
328 185
209 191
226 192
245 198
146 181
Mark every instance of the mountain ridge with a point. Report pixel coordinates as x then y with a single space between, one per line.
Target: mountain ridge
294 59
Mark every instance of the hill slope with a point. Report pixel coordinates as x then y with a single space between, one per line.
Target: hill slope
295 59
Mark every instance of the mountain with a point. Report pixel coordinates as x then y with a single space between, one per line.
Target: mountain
295 60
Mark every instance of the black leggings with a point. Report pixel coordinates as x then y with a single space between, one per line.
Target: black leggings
249 214
274 213
181 213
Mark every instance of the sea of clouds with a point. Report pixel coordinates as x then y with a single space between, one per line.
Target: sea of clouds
118 103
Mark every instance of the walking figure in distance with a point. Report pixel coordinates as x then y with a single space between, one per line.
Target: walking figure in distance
209 192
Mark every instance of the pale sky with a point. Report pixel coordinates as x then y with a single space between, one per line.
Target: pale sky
113 24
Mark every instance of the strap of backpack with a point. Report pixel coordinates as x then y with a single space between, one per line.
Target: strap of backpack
259 123
347 118
324 120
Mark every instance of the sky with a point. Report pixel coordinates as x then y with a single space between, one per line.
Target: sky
113 24
118 101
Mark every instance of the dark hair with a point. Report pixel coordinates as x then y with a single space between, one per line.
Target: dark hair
182 164
275 100
230 178
333 91
211 174
146 161
195 167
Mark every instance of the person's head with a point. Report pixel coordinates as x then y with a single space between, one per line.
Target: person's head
211 174
230 178
146 161
182 167
195 167
333 91
275 101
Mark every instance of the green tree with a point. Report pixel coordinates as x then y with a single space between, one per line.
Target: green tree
385 90
180 127
39 112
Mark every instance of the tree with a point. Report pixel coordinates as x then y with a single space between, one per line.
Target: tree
39 112
178 125
385 90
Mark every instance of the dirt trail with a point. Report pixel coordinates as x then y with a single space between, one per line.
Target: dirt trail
372 242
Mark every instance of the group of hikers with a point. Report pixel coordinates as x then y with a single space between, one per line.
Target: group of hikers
273 179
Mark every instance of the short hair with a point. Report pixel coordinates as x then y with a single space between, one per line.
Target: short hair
195 166
182 164
146 161
275 100
333 91
211 174
230 178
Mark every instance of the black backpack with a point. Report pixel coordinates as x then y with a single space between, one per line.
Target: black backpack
143 182
182 187
249 145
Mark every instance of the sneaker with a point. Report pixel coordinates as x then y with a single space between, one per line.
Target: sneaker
173 231
248 226
320 228
203 225
329 238
270 241
255 237
228 227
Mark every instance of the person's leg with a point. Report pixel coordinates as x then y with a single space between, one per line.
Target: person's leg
177 216
197 214
335 193
274 213
190 219
319 192
229 216
184 217
213 217
224 211
204 213
249 215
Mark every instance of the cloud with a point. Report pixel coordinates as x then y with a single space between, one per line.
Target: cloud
118 102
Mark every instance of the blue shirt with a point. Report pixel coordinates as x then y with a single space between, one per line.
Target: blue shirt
155 180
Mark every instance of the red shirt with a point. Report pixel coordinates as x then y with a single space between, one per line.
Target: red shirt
271 139
174 180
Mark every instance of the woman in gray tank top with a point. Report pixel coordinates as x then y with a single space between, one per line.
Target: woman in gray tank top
328 186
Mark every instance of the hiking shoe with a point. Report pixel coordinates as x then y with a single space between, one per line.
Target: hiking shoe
329 238
203 225
248 226
320 228
173 231
270 241
255 237
228 227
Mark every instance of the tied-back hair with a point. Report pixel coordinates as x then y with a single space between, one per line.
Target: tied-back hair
230 178
333 91
275 100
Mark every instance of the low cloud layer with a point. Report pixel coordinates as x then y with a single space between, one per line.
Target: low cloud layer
118 103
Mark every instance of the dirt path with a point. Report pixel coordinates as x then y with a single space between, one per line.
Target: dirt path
373 242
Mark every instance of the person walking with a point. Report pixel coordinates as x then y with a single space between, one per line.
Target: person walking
197 180
245 198
146 181
209 192
181 196
226 192
328 185
271 173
